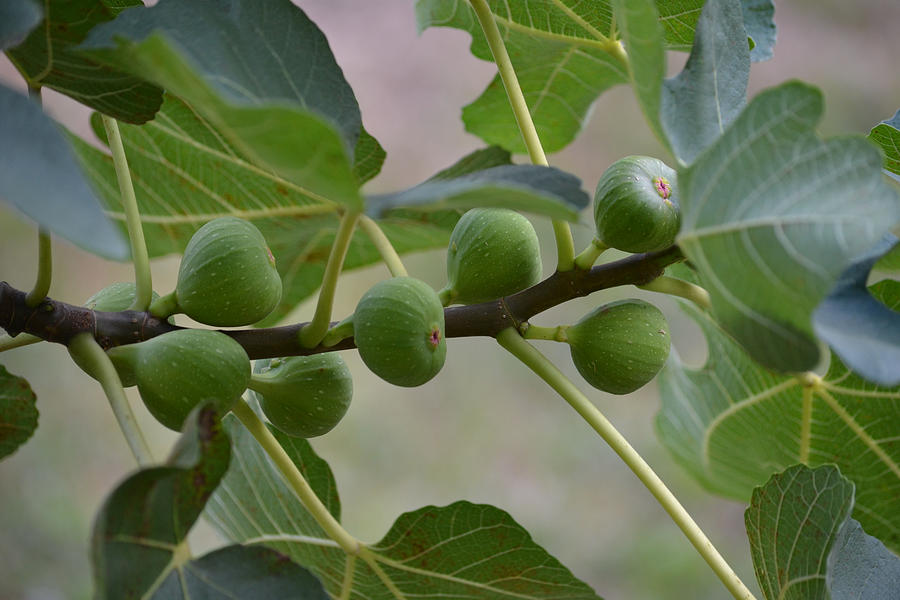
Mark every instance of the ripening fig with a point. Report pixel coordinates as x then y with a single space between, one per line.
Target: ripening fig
621 346
227 276
304 396
494 252
636 205
177 370
398 326
115 297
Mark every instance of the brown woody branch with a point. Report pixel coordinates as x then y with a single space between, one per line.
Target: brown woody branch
59 322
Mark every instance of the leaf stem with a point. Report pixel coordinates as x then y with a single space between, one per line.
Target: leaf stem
546 370
295 479
565 244
383 244
349 570
139 255
372 560
315 330
535 332
7 342
589 255
680 288
45 270
88 354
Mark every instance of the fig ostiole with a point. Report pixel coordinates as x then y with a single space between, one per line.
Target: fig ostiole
493 252
227 276
303 396
177 370
636 205
619 347
398 326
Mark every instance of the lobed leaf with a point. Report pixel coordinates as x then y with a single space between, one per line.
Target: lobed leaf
17 19
48 57
262 73
18 412
805 545
863 328
40 176
701 101
732 424
142 523
772 215
887 136
461 550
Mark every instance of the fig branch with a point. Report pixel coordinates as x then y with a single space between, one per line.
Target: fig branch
57 321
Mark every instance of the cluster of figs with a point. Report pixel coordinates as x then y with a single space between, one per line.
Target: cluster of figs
227 278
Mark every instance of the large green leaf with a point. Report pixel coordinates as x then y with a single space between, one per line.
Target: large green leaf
47 57
459 551
40 177
18 412
643 36
17 19
699 103
772 215
261 72
887 135
805 545
732 424
139 530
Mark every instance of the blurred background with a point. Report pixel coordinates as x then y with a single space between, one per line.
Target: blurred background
485 429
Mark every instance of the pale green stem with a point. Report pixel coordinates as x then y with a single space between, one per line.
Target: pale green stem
371 559
45 270
546 370
8 342
680 288
589 255
535 332
295 479
347 585
339 332
565 244
383 244
91 357
142 277
315 330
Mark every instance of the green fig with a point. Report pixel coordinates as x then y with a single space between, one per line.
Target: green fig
227 276
304 396
398 326
177 370
621 346
636 205
494 252
116 297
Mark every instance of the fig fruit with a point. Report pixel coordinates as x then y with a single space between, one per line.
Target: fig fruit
227 276
116 297
636 205
621 346
304 396
177 370
398 326
494 252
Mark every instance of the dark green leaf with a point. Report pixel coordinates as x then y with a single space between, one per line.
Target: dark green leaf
459 551
805 545
17 19
759 19
541 190
772 215
887 135
679 19
732 424
261 73
48 58
40 177
643 36
485 158
368 157
238 572
138 532
186 173
699 103
18 412
863 331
